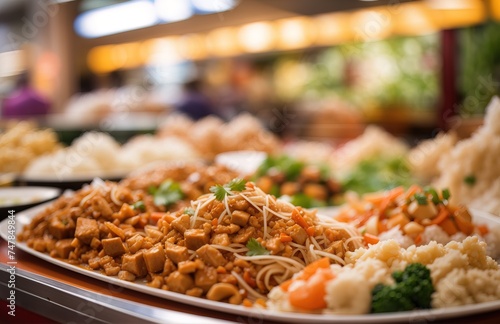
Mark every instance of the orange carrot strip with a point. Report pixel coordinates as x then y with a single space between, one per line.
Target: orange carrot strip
285 238
441 216
418 239
370 238
215 222
297 218
449 226
309 270
310 230
249 280
412 190
483 229
286 284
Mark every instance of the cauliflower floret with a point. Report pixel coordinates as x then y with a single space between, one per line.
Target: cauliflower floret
349 294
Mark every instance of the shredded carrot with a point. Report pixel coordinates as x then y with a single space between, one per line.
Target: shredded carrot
247 302
309 270
441 216
418 239
156 216
261 302
463 225
343 217
311 295
286 284
389 198
412 190
449 226
310 230
483 229
370 238
215 222
297 218
284 238
249 280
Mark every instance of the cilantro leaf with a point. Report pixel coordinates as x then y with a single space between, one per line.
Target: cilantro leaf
220 191
139 205
168 192
255 248
446 194
420 198
189 211
470 180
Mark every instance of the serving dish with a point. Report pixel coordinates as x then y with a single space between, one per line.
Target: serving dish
25 217
21 198
68 181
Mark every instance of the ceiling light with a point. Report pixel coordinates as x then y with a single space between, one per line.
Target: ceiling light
211 6
173 10
116 19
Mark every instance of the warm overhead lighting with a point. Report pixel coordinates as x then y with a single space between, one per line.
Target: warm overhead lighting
164 52
495 9
451 4
223 42
474 13
256 37
294 33
170 10
212 6
413 19
192 46
333 28
371 24
116 19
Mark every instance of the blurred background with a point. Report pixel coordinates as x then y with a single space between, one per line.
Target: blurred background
317 70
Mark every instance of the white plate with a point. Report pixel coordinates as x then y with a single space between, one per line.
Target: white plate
76 177
13 197
25 217
243 162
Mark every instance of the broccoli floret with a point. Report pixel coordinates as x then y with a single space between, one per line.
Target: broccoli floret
413 289
390 299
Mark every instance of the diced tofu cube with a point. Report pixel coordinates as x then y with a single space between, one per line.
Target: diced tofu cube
195 238
298 234
63 248
187 267
86 229
221 239
421 212
126 275
179 282
113 246
240 217
205 278
211 256
176 253
153 233
134 263
61 229
181 224
155 258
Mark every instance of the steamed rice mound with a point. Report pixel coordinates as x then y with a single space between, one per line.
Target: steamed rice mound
476 158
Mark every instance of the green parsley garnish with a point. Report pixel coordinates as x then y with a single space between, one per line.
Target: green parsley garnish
420 198
189 211
446 194
167 193
470 180
139 205
220 191
435 197
255 248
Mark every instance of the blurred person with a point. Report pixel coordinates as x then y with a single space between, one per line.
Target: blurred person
25 101
194 102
